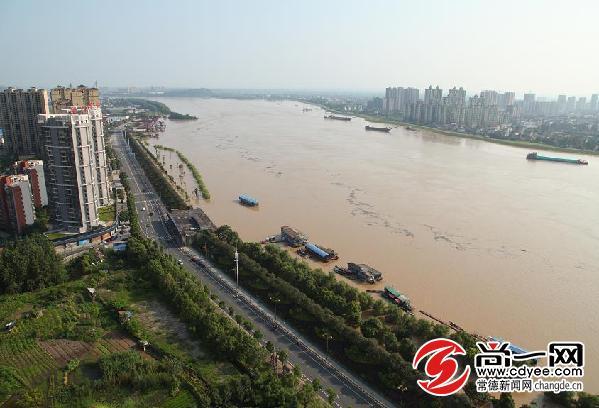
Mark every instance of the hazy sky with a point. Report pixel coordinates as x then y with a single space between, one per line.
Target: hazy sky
548 47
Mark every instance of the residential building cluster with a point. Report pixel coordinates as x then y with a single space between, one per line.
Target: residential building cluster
59 142
488 109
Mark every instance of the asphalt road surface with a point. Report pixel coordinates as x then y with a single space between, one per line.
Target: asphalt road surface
312 361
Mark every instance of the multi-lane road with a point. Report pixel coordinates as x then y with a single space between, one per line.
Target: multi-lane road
313 362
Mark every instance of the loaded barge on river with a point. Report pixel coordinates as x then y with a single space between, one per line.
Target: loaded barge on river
361 272
378 129
293 237
396 297
536 156
335 117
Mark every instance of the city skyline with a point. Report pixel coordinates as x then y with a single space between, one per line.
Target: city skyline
540 47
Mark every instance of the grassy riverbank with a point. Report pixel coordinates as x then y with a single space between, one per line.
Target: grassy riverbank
172 195
194 171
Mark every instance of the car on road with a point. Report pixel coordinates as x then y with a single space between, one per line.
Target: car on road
143 208
180 262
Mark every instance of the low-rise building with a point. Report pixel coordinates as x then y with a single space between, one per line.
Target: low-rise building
16 203
184 224
34 169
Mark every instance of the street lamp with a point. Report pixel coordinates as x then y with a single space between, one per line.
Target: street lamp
237 268
274 300
326 336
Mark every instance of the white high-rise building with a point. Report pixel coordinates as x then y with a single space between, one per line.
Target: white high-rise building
490 98
76 169
433 96
456 96
95 116
594 105
562 104
506 99
571 104
581 105
529 104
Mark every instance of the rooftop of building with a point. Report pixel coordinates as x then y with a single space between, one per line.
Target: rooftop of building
74 112
29 163
191 220
13 89
77 87
14 178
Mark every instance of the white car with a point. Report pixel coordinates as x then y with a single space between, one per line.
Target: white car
143 208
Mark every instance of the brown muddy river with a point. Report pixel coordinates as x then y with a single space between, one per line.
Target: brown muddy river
469 230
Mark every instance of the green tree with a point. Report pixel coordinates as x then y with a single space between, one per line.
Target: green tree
331 395
9 384
29 264
40 224
587 401
316 385
71 366
505 401
379 307
283 356
354 316
372 328
33 398
565 399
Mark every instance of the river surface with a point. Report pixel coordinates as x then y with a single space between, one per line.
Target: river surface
469 230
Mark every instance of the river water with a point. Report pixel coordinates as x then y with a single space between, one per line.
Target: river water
469 230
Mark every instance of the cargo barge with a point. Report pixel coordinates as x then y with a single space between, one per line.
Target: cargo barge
335 117
378 129
293 237
536 156
314 251
400 300
248 201
361 272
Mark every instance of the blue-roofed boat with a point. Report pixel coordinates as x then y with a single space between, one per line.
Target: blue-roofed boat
514 349
247 200
322 254
317 251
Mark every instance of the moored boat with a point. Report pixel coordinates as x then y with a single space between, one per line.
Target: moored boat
322 254
396 297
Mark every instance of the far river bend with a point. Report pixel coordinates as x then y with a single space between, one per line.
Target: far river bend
469 230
